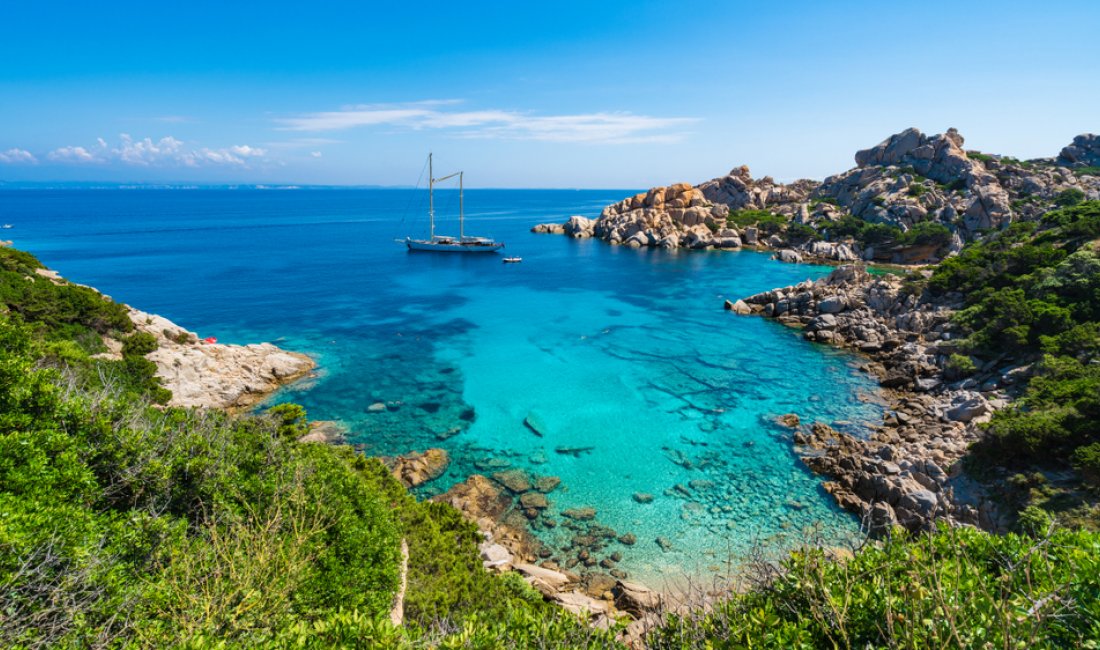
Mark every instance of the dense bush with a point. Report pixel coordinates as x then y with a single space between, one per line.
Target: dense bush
60 310
1069 197
865 232
926 233
957 588
767 222
1033 292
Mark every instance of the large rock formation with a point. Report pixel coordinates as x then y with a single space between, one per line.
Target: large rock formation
1084 151
215 375
879 188
908 178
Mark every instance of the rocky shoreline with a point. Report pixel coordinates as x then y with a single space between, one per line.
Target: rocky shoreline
215 375
907 472
503 505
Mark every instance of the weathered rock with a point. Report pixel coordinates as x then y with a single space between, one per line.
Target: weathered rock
636 599
214 375
547 484
580 514
579 603
534 500
739 307
789 256
515 480
643 497
545 581
418 468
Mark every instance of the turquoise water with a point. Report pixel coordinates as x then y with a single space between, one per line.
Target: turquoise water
635 377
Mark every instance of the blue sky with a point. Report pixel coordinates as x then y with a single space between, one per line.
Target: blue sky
550 94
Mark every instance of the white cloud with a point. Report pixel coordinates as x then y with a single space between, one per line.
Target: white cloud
72 155
165 152
315 154
17 157
585 127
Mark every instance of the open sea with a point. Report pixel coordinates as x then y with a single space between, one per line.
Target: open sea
637 380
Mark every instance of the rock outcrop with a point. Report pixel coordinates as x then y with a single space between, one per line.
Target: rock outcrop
903 473
907 179
214 375
416 468
1084 151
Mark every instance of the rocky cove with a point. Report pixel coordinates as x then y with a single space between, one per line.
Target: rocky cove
907 471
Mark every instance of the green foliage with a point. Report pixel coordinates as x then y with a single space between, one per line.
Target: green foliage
160 527
926 233
957 588
959 366
1091 170
865 232
917 190
1069 197
1087 459
1034 521
983 157
767 222
799 233
1076 224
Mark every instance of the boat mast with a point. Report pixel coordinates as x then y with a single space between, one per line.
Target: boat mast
431 201
460 232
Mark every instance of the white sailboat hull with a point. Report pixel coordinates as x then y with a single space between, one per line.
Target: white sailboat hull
450 245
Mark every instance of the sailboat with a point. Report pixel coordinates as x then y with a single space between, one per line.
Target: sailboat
446 244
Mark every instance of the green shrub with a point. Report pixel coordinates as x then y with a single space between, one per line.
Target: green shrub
926 233
1069 197
1087 459
957 588
767 222
917 190
959 366
798 233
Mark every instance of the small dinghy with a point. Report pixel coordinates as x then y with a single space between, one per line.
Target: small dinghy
512 260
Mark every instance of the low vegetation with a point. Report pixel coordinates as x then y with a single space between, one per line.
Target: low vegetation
1032 295
956 588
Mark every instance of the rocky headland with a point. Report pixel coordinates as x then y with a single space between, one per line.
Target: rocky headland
907 179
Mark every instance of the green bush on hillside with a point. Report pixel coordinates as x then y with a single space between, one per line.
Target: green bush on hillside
1069 197
957 588
767 222
1034 291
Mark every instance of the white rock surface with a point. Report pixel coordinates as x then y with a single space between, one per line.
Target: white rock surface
214 375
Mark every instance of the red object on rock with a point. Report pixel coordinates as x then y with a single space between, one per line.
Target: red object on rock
210 339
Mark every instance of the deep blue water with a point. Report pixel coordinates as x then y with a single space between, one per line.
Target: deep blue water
623 351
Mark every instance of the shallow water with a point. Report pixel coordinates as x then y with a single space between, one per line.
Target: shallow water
622 359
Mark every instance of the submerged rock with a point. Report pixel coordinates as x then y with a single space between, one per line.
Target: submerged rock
515 480
580 514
